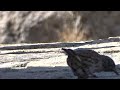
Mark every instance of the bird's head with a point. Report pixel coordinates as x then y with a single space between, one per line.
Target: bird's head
71 53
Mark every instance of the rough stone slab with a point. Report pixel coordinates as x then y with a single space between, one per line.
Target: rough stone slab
47 60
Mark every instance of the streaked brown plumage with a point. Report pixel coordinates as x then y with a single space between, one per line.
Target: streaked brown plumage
85 62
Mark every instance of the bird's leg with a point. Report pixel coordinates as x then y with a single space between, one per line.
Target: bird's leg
93 75
90 73
115 71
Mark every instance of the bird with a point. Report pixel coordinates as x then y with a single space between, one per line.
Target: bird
85 62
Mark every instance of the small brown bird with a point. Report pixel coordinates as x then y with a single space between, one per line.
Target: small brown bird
85 62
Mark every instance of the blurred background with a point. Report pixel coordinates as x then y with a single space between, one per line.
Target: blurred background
57 26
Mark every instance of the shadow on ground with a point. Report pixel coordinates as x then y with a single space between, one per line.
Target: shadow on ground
37 73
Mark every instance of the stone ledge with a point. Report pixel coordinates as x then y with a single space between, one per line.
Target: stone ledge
47 60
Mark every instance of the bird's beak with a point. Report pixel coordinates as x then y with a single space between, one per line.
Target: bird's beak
65 50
